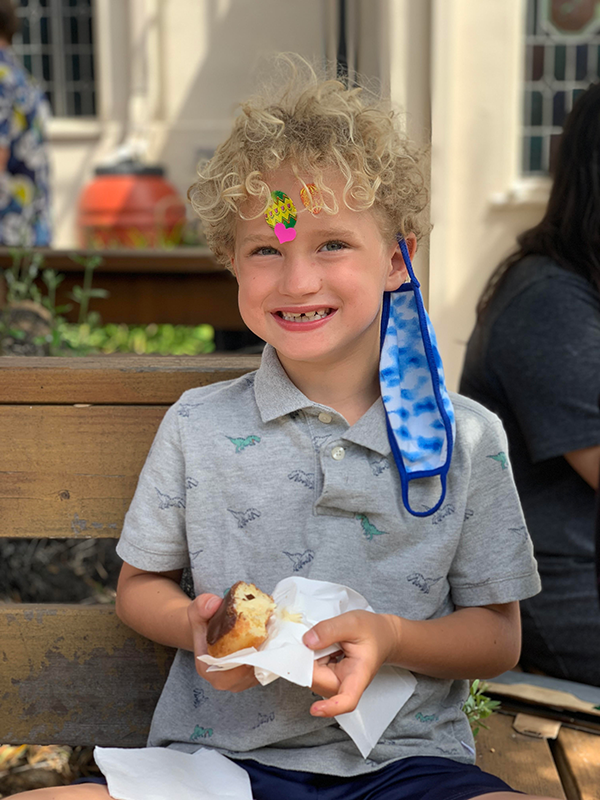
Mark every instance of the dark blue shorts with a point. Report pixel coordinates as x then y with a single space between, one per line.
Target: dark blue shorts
418 778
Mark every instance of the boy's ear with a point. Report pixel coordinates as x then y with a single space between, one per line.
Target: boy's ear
411 243
399 270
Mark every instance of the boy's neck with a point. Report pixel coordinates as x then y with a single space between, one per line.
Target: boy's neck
348 387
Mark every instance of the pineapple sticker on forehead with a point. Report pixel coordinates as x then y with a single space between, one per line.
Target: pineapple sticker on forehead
281 215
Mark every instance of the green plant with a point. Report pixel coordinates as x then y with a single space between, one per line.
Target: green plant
83 294
21 275
52 281
162 339
479 706
88 335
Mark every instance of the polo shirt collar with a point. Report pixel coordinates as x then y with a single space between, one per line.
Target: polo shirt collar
277 396
371 430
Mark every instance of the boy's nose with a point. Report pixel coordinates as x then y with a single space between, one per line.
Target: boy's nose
300 276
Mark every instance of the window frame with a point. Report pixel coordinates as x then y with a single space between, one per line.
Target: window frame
59 86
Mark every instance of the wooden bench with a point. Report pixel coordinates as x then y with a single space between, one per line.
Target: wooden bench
74 434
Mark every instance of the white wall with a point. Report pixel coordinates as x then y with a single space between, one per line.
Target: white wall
479 203
408 43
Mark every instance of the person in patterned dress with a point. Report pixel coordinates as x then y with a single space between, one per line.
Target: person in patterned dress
24 163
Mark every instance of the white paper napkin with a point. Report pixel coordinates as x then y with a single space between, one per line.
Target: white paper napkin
285 655
160 773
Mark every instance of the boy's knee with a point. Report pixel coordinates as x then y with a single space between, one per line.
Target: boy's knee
83 791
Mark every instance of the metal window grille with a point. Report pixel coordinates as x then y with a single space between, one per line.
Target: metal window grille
562 59
56 45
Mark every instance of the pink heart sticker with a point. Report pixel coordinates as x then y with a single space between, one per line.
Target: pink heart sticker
284 234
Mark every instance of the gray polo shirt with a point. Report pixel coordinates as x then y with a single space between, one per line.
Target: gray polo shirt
250 480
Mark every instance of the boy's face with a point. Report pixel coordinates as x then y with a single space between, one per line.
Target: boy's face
337 265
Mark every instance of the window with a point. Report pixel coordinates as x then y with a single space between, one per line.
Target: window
56 45
562 59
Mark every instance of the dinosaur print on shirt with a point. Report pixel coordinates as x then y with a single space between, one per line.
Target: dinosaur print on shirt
319 441
300 560
201 733
166 501
183 409
369 529
426 717
263 719
501 459
379 465
242 443
521 531
305 478
199 697
423 583
244 517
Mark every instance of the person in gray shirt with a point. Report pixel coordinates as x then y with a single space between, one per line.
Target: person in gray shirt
252 480
534 359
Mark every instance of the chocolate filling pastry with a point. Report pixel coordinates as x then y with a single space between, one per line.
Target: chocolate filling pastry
240 621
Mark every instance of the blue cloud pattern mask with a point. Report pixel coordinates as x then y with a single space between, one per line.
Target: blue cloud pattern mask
420 417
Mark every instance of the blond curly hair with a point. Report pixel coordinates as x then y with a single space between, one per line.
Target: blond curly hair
313 125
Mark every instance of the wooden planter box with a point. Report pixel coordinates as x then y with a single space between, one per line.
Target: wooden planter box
184 286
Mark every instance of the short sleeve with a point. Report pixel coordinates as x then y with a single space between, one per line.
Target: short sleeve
494 561
154 533
545 351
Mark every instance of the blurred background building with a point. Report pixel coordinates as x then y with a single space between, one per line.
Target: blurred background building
488 83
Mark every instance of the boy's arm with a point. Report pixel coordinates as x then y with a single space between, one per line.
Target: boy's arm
474 642
153 604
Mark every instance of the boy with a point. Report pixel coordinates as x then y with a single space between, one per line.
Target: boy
305 468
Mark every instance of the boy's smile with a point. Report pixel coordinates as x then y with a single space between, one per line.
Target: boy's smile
317 298
304 316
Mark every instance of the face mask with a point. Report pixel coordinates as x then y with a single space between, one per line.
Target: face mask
420 416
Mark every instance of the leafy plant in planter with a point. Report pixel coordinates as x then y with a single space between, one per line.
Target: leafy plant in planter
177 340
32 324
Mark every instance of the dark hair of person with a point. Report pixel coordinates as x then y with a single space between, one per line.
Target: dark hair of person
569 232
9 21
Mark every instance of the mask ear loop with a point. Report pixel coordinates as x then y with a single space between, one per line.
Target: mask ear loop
441 472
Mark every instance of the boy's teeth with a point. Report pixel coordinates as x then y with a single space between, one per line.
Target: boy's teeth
308 316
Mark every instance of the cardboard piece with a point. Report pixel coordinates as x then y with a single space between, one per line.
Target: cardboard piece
539 727
545 691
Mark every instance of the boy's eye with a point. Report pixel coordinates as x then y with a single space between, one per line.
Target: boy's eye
333 246
265 251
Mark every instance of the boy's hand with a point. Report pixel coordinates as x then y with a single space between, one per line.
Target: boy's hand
200 611
366 639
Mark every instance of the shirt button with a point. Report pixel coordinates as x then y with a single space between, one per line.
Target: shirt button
338 453
325 417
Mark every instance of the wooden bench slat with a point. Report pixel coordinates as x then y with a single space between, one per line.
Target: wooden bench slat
66 677
523 762
71 472
114 379
577 756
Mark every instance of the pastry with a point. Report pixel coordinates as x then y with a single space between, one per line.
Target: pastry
240 621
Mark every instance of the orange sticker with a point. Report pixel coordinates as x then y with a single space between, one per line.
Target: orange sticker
311 198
